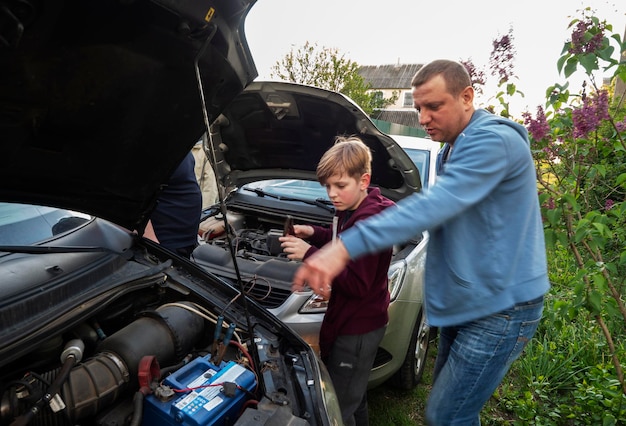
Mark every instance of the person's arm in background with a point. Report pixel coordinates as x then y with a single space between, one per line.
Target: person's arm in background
149 232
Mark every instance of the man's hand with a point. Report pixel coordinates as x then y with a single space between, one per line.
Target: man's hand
318 270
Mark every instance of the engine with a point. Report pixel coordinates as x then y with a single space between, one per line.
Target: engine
171 365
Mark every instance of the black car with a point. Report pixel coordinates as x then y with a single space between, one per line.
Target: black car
99 102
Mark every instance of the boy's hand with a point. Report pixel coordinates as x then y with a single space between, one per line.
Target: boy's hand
303 231
295 247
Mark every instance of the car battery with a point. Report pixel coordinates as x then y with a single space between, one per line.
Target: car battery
204 403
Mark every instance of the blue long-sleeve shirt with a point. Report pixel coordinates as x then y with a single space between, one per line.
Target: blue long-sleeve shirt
486 250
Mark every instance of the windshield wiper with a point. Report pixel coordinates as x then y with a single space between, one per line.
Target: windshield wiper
319 202
49 249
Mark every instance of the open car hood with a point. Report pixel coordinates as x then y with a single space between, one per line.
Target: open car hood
280 130
99 101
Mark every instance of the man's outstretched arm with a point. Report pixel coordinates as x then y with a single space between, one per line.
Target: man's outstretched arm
319 269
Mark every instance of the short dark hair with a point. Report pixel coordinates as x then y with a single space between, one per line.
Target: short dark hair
454 74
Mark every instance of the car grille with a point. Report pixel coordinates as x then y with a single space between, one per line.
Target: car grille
382 357
266 296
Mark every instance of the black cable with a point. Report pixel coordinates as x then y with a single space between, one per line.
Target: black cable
54 388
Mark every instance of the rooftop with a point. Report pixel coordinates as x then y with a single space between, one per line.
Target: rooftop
395 76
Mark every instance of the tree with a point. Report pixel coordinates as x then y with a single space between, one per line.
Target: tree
326 68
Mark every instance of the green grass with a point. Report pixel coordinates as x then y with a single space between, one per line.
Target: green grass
391 406
562 379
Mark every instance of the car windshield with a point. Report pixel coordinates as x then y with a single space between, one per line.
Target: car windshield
313 190
23 224
292 188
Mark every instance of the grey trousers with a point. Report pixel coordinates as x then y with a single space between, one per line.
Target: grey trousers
349 364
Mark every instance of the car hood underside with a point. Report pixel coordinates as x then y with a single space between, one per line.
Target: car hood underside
280 130
99 102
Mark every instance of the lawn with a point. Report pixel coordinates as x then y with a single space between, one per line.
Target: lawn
389 406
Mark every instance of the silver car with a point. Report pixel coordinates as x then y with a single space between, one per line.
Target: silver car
423 153
266 145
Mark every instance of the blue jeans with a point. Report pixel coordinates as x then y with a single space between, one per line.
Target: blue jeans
472 360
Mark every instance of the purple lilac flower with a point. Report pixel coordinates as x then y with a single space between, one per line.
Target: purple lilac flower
550 151
588 118
583 41
501 58
621 125
477 76
608 204
539 127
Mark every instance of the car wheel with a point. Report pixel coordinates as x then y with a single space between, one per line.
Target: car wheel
412 369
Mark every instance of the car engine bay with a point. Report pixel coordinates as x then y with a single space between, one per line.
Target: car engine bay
266 271
157 353
264 267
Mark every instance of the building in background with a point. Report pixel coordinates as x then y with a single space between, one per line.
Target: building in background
389 80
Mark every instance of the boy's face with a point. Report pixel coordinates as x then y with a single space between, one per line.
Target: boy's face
346 192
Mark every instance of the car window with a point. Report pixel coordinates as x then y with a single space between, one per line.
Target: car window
421 158
23 224
295 188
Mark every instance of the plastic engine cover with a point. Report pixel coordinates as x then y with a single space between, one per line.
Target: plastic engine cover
204 403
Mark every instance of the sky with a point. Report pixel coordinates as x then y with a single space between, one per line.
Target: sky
415 31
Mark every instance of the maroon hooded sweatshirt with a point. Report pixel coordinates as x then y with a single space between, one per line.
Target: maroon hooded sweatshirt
360 295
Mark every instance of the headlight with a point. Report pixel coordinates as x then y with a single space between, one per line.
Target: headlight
317 305
396 274
314 305
331 402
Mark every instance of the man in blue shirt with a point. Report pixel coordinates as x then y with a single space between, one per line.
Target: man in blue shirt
486 270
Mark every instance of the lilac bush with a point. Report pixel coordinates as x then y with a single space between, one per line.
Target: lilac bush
578 142
579 146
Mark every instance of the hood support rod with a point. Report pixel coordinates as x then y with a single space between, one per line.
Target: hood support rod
222 204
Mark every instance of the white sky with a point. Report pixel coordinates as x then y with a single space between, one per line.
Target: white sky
415 31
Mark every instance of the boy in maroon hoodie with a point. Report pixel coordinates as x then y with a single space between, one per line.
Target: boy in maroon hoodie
356 318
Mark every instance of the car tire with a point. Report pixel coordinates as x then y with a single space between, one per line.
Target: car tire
412 368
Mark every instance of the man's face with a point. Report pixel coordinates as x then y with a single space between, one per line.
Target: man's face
346 192
442 115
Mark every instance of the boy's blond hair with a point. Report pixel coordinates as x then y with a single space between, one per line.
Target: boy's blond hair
349 156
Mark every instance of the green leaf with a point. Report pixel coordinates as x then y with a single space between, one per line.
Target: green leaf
580 234
510 89
603 229
589 62
594 301
601 169
562 59
553 216
608 420
562 237
571 200
606 53
570 67
550 238
599 281
611 267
